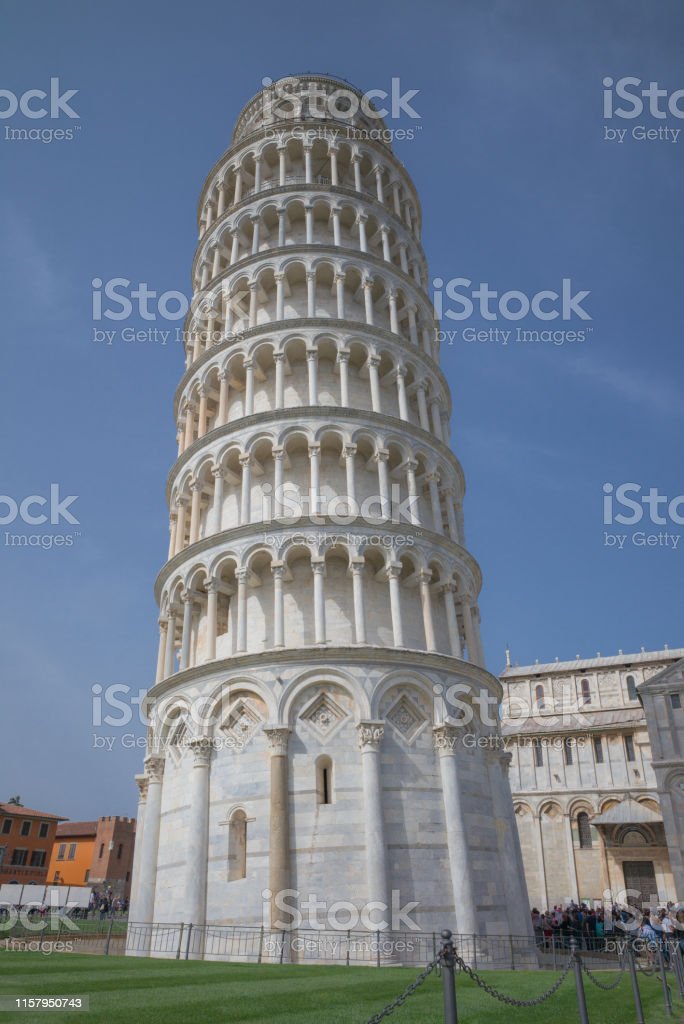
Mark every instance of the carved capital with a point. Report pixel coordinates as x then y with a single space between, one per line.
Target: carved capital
277 740
142 782
446 737
201 748
154 768
370 735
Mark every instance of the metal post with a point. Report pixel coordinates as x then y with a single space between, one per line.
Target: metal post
667 997
448 978
377 946
261 945
579 982
282 945
187 944
678 964
109 935
348 945
629 955
553 949
180 942
510 939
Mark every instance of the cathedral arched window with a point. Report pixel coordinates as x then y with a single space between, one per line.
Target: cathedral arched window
237 846
538 753
539 696
631 688
584 831
324 791
586 691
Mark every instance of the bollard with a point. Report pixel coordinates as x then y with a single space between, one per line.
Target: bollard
667 998
180 942
448 978
187 944
629 954
579 983
109 935
678 963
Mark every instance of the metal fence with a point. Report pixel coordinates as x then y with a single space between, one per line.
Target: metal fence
252 944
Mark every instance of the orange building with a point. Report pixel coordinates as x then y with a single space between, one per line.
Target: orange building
97 853
72 853
26 838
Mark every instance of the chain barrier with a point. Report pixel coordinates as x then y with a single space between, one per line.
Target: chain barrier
599 984
400 1000
509 1000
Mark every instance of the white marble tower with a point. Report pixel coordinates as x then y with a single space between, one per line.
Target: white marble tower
319 600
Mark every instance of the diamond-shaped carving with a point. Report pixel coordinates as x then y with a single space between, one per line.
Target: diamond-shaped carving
324 715
406 718
243 721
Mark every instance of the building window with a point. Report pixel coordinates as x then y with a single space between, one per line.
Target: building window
26 828
324 780
598 750
119 851
3 851
584 830
629 748
586 692
43 830
539 696
631 688
101 853
61 851
676 701
6 826
38 859
237 846
568 744
19 857
538 753
87 875
72 851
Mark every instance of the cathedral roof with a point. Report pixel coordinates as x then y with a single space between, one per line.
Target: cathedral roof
585 664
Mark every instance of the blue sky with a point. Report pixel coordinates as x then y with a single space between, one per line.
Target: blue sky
519 189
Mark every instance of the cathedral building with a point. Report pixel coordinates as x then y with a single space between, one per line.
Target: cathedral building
598 776
319 603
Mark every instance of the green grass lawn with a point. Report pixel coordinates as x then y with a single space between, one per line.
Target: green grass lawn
130 989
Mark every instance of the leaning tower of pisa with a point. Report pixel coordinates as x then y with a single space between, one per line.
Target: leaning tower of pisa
321 720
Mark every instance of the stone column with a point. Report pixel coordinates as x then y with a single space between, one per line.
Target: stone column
314 478
223 398
241 576
422 406
279 848
449 591
381 458
163 627
280 296
374 377
318 569
312 366
339 294
370 739
212 603
149 848
411 468
279 358
433 482
197 855
246 490
310 293
394 320
217 507
425 579
393 573
368 300
356 568
196 489
510 856
349 453
189 425
572 867
249 386
141 782
436 419
278 481
343 361
447 740
401 393
278 573
169 666
187 599
361 221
